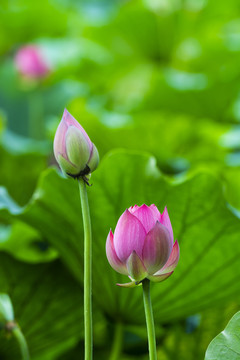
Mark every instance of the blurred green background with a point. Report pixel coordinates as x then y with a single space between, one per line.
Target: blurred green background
152 77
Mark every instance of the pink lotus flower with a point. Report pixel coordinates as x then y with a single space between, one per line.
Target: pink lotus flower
73 150
143 245
30 62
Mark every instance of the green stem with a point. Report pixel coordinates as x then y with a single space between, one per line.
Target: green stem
22 342
117 342
149 320
36 119
87 269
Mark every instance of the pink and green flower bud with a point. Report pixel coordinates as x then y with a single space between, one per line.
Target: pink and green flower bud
75 153
142 245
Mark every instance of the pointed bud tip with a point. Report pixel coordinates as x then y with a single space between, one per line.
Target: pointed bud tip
65 113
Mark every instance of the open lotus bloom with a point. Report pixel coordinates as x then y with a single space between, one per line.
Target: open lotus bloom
75 153
30 62
142 245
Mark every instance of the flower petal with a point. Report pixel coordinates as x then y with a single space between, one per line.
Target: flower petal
172 261
129 235
157 248
66 166
156 212
147 217
77 148
135 267
94 159
133 208
158 278
165 220
113 260
59 145
71 121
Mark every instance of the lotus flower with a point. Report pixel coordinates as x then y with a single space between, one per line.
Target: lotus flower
75 153
142 245
30 62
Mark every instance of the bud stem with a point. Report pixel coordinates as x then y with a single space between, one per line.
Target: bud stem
87 269
149 320
16 331
117 342
36 115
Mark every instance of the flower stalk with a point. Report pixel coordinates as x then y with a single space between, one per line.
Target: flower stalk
117 342
87 269
16 331
142 247
149 320
36 115
78 157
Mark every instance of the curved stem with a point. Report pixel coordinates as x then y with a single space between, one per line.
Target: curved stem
36 119
22 342
149 320
87 270
117 342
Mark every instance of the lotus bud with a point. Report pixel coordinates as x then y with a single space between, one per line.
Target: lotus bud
30 62
75 153
142 245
